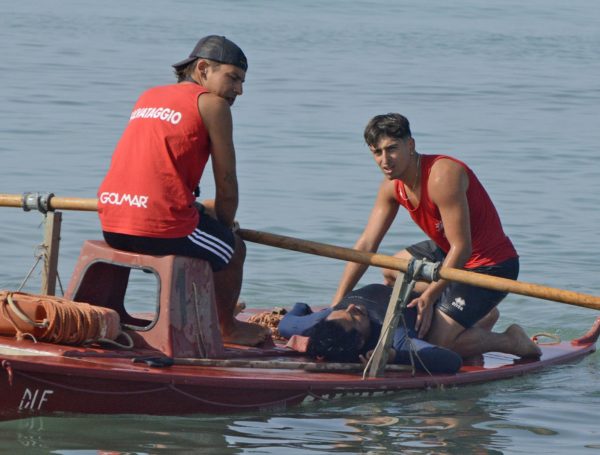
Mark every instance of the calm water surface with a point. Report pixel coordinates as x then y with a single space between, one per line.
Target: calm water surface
512 88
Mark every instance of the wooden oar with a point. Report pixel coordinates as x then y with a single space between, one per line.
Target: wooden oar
55 203
348 254
447 273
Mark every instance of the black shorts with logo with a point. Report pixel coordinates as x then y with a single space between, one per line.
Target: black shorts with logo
464 303
211 241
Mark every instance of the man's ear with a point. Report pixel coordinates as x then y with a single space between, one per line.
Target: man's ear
202 67
201 64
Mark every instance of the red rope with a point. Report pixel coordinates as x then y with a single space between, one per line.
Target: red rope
68 322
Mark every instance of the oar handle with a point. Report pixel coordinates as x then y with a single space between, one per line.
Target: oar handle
323 249
348 254
53 202
447 273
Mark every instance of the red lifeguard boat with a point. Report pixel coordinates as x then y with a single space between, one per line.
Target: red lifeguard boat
178 364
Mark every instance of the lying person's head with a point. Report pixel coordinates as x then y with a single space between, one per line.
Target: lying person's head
340 337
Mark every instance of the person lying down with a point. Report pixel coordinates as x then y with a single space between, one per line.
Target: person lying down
348 331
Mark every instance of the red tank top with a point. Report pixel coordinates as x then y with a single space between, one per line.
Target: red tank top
156 166
489 242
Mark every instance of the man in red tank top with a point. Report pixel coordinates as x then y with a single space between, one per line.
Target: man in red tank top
446 200
147 201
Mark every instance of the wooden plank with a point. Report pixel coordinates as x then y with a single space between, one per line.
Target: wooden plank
279 364
51 246
379 358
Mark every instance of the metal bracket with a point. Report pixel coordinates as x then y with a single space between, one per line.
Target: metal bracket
417 269
421 268
37 201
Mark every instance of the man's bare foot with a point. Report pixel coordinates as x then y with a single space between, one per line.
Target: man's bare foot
524 346
246 333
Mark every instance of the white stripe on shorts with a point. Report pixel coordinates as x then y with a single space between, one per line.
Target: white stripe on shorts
212 244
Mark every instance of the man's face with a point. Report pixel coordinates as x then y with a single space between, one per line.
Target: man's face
225 81
393 155
353 317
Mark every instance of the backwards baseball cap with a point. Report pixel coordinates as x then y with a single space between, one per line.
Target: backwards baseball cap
219 49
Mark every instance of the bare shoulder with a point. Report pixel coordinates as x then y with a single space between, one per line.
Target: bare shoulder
446 170
446 165
210 99
447 177
212 107
216 116
387 191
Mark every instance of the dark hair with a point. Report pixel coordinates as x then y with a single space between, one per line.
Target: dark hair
330 341
390 125
184 73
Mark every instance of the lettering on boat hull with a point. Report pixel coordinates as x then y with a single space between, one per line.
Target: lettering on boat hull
33 400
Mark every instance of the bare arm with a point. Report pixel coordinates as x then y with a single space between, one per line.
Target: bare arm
216 115
382 215
448 186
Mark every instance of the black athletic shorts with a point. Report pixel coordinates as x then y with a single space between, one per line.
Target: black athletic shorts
211 241
464 303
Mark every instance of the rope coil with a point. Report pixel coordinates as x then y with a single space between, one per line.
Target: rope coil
56 320
270 320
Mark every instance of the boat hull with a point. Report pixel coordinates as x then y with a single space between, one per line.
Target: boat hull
45 379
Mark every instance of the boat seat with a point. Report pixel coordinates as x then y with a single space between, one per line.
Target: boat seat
185 323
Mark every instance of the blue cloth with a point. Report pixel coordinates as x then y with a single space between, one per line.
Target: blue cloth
375 297
300 319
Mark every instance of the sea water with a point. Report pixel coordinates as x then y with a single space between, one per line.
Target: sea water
512 88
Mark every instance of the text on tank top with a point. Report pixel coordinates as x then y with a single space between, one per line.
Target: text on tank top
157 165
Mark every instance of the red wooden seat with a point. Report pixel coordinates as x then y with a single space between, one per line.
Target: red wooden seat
185 323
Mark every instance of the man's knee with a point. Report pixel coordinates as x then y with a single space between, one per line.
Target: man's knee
238 257
403 254
390 276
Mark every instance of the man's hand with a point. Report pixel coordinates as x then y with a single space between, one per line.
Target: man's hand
365 358
208 207
425 314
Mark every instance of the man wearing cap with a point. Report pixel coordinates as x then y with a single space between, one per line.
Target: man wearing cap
147 200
